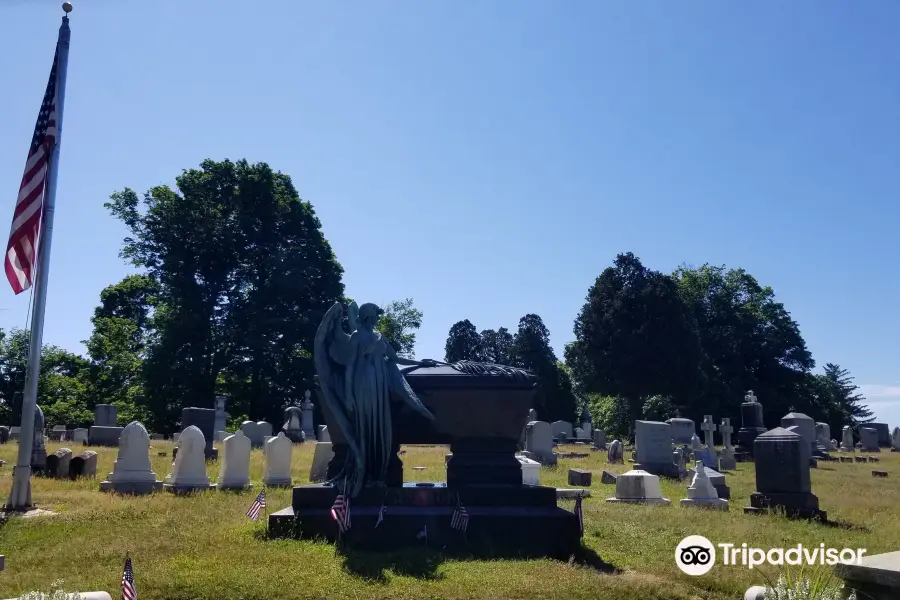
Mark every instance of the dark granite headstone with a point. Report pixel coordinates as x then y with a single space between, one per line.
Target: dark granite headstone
884 433
782 475
682 430
806 428
205 420
38 451
868 437
752 425
4 434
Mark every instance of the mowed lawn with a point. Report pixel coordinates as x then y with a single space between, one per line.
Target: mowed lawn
203 546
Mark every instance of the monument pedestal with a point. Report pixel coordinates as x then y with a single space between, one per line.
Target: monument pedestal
795 506
99 435
503 519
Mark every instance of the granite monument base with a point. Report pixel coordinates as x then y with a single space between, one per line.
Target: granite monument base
877 577
133 488
513 520
670 470
794 505
99 435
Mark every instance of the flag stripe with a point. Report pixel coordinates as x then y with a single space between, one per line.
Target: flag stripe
257 506
128 590
24 243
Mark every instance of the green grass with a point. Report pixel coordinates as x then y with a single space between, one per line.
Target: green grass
203 546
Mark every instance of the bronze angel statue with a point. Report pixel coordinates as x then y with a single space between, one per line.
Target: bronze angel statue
358 375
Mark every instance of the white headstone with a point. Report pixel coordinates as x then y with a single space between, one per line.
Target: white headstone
221 420
696 445
323 435
846 439
307 425
616 453
265 428
708 427
321 457
639 487
189 468
701 491
277 469
823 437
80 435
254 434
726 430
531 471
234 469
131 471
539 443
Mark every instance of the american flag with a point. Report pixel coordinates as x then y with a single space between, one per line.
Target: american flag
22 248
380 516
258 505
579 514
340 512
128 591
460 519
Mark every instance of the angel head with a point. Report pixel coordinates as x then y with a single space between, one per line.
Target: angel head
368 315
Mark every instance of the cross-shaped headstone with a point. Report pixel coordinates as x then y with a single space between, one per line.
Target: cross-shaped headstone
708 428
725 429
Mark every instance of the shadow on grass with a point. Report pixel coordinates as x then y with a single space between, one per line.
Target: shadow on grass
845 526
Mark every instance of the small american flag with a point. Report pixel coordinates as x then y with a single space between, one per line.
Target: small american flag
22 248
579 514
380 516
128 591
258 505
340 512
460 519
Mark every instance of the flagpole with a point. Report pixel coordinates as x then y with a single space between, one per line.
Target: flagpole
20 496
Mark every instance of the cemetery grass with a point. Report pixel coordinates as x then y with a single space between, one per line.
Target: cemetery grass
203 546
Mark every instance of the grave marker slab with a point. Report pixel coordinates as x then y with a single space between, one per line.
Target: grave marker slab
868 437
131 471
234 470
653 441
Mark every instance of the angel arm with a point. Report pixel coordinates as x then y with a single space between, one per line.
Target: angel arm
392 356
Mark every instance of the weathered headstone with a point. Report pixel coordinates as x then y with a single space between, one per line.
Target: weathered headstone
105 415
234 470
806 427
4 434
265 429
38 450
727 461
58 433
823 438
895 440
586 422
83 465
782 475
578 433
309 429
203 419
638 486
701 492
579 477
80 435
752 424
539 443
616 453
561 430
189 469
696 444
682 430
277 467
884 433
58 463
607 478
221 421
293 424
531 471
717 479
131 471
868 437
847 439
599 439
253 433
322 455
653 441
323 435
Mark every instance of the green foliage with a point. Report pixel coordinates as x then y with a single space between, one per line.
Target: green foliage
398 324
497 346
838 399
57 592
806 583
463 343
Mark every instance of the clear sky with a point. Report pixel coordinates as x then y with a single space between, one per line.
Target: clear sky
489 159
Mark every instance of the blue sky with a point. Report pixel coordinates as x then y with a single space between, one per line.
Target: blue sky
489 159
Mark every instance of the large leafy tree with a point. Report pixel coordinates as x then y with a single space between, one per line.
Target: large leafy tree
749 341
399 323
635 338
531 350
463 342
245 276
497 346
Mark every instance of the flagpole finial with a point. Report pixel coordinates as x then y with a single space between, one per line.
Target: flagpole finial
67 7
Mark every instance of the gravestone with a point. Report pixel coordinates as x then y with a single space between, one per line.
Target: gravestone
599 439
105 415
80 435
586 422
823 438
323 435
4 434
709 429
806 427
38 450
309 429
782 476
253 433
189 469
531 471
322 455
561 430
752 424
884 433
682 430
83 465
539 443
709 457
717 479
131 472
875 577
221 435
868 437
277 468
234 470
203 419
579 477
616 453
293 424
579 433
696 444
701 492
58 463
727 461
104 431
847 439
895 440
532 415
221 421
653 441
58 433
265 429
638 487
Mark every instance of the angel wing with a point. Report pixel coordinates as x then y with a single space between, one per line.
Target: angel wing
331 353
353 316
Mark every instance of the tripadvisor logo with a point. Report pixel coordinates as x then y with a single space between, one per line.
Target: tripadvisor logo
695 555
